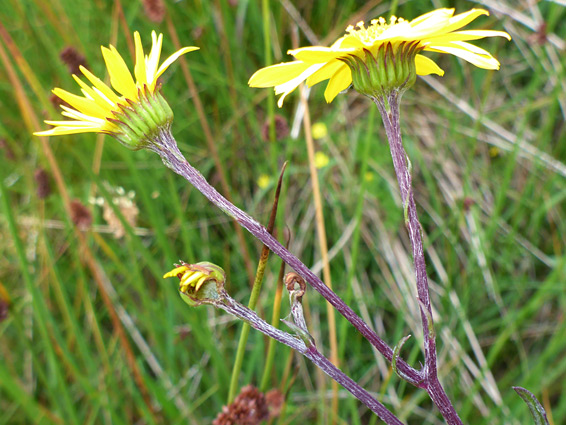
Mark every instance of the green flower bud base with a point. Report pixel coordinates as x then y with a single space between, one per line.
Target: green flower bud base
391 68
140 121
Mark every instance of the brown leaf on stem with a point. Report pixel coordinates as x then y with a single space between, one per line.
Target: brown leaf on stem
294 282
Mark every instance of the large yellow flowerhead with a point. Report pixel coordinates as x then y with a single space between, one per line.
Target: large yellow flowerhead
131 114
380 57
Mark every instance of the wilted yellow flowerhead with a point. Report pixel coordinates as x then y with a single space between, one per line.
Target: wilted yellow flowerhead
134 114
382 56
193 278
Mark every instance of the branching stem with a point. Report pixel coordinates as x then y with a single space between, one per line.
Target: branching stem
166 147
310 352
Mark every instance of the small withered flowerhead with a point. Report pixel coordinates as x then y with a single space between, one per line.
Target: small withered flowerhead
133 115
250 407
381 57
200 283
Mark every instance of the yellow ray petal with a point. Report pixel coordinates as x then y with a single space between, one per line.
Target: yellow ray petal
101 101
62 131
445 13
189 277
465 46
466 36
435 23
175 271
325 72
152 61
170 60
339 82
97 82
464 19
139 68
72 123
82 104
481 61
426 66
288 86
402 30
71 113
277 74
312 55
200 282
351 42
120 76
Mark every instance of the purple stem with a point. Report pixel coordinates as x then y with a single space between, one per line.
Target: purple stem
389 109
310 352
166 147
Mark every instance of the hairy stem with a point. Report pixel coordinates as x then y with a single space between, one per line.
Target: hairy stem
389 109
166 147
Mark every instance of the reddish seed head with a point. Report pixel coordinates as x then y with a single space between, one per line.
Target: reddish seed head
80 215
154 10
73 59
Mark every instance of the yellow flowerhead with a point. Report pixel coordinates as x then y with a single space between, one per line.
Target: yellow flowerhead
193 278
133 113
368 51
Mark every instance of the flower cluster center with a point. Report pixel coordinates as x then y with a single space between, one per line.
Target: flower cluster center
374 30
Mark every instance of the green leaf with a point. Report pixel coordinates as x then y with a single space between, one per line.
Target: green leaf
537 411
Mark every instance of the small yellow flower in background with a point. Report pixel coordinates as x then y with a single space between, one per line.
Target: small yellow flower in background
321 160
369 176
366 47
128 115
319 130
263 181
494 151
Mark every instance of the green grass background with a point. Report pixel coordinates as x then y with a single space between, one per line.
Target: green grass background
489 161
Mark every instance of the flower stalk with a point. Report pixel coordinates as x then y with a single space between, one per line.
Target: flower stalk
210 280
388 106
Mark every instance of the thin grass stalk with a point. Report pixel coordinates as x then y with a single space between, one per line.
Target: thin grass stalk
323 245
275 316
256 289
287 382
355 245
241 350
268 59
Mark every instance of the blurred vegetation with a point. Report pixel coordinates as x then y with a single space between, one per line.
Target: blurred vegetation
90 332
